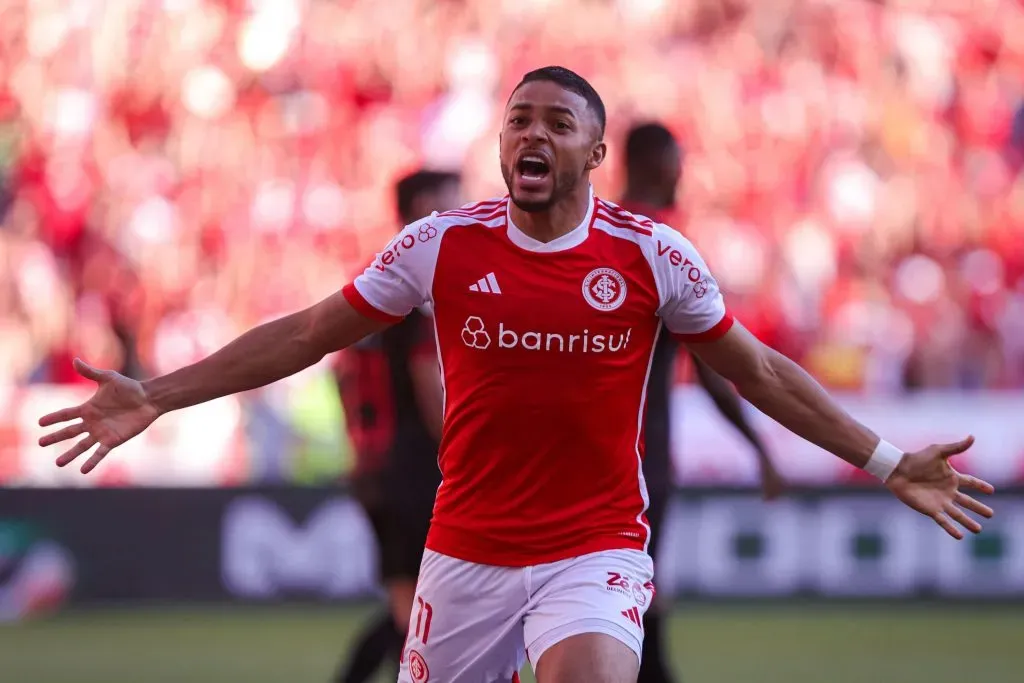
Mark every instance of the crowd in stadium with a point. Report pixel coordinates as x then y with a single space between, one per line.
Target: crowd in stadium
173 172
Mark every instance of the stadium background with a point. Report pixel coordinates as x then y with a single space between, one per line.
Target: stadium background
173 172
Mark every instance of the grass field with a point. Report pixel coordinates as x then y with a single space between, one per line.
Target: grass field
711 644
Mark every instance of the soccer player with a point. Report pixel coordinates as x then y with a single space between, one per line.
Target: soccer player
653 165
547 305
390 387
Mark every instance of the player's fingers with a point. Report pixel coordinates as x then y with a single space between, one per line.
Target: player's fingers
91 463
980 485
61 416
948 526
88 371
951 449
75 451
965 501
962 518
62 434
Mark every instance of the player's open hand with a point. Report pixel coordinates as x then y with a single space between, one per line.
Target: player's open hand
117 411
928 483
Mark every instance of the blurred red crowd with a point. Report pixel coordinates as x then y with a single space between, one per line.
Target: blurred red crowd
175 171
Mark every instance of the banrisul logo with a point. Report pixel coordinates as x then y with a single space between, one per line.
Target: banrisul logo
479 334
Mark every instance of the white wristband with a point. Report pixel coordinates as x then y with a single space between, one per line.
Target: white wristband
884 460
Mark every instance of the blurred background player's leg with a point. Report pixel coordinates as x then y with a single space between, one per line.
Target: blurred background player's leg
400 522
378 643
381 639
654 667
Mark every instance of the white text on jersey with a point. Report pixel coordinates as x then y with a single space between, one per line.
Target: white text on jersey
476 335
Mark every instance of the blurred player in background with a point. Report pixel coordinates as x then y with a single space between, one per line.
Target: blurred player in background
547 305
390 387
653 164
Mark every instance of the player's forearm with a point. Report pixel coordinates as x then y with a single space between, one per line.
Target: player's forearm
789 395
261 356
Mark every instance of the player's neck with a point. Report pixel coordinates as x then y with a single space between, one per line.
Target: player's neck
560 219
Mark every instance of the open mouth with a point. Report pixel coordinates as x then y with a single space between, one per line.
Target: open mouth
533 167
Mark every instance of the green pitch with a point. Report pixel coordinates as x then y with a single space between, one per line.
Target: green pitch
711 644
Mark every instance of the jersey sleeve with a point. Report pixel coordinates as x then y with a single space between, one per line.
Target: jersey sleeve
691 303
401 276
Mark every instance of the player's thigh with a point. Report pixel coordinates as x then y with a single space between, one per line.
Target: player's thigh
604 593
466 623
588 658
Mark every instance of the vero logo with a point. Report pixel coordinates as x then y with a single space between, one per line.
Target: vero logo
488 284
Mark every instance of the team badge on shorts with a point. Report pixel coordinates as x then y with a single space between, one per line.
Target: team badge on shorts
604 289
639 594
418 667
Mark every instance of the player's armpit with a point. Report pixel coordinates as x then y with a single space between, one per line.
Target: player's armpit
781 389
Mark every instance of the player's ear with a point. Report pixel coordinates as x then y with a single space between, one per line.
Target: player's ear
597 155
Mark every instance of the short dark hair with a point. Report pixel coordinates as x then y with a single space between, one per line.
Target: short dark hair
412 185
571 81
647 140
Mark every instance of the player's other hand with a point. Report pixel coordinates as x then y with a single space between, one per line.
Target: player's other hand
928 483
117 411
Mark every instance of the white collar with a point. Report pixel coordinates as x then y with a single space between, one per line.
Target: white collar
571 239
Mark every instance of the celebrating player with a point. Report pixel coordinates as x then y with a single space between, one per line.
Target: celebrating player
653 165
390 386
547 308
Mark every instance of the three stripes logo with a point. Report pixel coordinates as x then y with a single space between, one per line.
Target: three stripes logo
488 284
633 614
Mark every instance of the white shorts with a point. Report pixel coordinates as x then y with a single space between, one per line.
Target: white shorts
474 623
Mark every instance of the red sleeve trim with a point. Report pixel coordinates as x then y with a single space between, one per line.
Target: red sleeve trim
714 334
365 308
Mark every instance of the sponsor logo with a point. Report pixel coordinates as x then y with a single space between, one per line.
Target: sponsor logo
403 243
476 336
700 289
676 258
474 333
604 289
418 669
619 583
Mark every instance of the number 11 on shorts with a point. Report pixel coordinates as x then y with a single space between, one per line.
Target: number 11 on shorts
424 615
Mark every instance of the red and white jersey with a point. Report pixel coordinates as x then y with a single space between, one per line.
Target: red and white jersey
545 350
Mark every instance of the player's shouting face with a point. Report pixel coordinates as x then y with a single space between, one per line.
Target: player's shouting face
550 142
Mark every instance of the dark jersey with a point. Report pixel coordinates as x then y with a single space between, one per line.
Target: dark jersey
657 425
387 429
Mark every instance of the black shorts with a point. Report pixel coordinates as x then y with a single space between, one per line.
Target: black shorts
400 519
659 498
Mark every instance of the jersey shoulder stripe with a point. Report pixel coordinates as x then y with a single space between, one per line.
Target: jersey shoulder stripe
481 211
634 220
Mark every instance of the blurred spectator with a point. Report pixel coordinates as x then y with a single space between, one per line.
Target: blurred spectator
174 171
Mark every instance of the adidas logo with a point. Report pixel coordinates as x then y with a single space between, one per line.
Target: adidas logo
488 284
633 614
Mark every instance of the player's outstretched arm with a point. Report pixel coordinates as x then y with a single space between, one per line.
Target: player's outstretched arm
781 389
729 406
121 408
